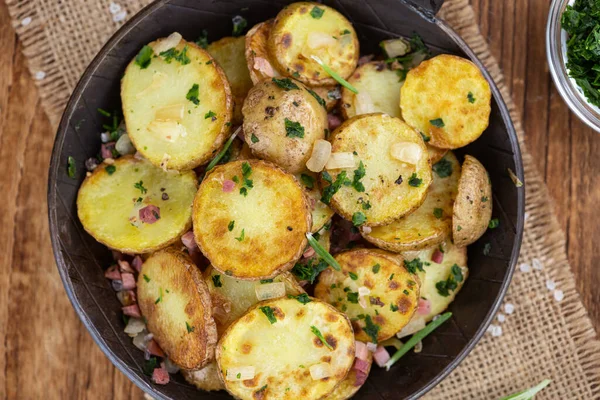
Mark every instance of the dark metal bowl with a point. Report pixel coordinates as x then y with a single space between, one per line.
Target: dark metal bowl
81 259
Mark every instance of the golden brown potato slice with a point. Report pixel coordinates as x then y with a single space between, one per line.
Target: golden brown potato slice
177 106
390 295
175 303
431 223
253 367
390 188
257 53
207 378
349 386
448 99
378 88
282 120
321 214
250 219
111 199
232 298
435 154
302 30
473 205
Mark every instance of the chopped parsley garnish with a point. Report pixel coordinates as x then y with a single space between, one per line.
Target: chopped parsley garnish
376 268
391 277
443 168
484 199
202 40
438 213
293 129
104 112
263 281
247 183
110 169
307 181
352 297
393 307
425 137
444 287
144 57
414 181
318 334
71 169
310 270
494 222
140 185
173 53
239 24
333 187
459 228
268 311
316 96
261 389
317 12
487 248
471 98
358 218
217 280
346 32
366 205
438 122
210 114
413 265
358 175
371 329
193 93
239 375
285 83
302 298
231 225
254 139
149 366
353 276
160 296
242 235
189 328
146 278
296 74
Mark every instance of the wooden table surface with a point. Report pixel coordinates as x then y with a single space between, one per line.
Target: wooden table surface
45 352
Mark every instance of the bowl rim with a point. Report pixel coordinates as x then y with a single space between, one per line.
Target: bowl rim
55 164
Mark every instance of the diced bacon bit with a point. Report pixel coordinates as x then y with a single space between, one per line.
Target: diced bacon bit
360 379
154 348
128 281
264 66
365 59
424 307
381 356
360 351
308 253
228 186
137 263
124 266
112 273
333 121
437 256
150 214
361 365
106 149
117 255
189 241
132 311
303 283
160 376
131 296
313 202
372 347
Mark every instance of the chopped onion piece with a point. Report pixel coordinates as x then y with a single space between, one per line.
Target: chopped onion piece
174 112
170 366
363 103
414 325
169 130
167 43
408 152
265 291
240 373
514 178
134 326
392 342
361 351
363 291
395 47
158 79
340 160
362 301
320 155
320 371
139 341
371 347
418 347
316 40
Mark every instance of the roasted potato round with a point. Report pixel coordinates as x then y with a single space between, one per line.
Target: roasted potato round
390 188
435 154
473 205
448 99
391 292
378 91
318 353
231 298
177 106
251 219
258 59
207 378
229 53
113 199
433 273
302 30
282 120
431 223
350 385
175 303
321 214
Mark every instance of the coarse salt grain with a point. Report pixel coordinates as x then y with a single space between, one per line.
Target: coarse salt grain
526 216
120 16
524 267
26 21
501 318
550 284
495 330
114 8
558 295
40 75
537 264
509 308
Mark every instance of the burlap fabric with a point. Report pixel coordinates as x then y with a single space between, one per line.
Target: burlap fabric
542 338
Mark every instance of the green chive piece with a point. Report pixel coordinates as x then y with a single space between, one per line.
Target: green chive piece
529 393
335 75
223 150
324 254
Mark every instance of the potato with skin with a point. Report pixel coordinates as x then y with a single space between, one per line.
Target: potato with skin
321 214
392 298
282 120
251 219
176 305
430 224
177 107
251 342
392 188
207 378
448 99
110 200
473 205
303 30
348 387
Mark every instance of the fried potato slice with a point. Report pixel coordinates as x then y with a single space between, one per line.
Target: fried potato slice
435 154
392 298
431 223
229 53
282 120
447 98
321 213
207 378
434 273
252 341
257 54
178 108
232 297
304 29
378 88
473 205
349 386
110 199
176 304
250 219
392 188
